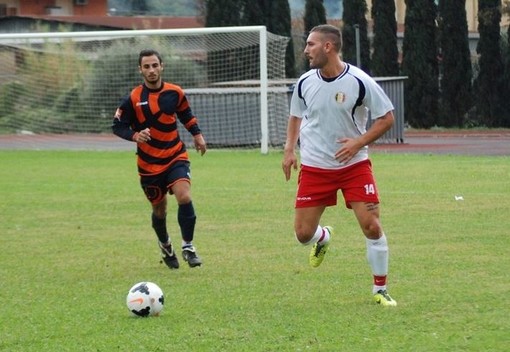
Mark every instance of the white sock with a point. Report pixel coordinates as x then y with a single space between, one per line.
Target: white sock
319 235
377 256
376 289
324 236
186 244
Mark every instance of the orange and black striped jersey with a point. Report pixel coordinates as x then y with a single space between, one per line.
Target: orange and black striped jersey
159 111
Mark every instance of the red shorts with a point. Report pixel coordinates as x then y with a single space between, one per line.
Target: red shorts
318 187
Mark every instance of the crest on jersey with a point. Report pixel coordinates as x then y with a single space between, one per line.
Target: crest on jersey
340 97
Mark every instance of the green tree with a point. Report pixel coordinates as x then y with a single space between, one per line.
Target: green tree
57 101
254 13
506 77
279 22
315 14
456 87
489 84
355 17
222 13
385 50
419 64
275 15
106 84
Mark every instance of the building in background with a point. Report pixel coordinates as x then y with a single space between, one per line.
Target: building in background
18 16
42 8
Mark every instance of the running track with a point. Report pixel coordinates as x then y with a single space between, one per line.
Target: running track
495 142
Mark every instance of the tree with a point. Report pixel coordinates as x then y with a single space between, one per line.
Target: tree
355 17
279 22
456 88
254 13
275 15
419 64
315 14
506 76
506 81
222 13
385 55
488 85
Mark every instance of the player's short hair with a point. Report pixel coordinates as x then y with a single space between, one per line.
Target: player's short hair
332 33
148 52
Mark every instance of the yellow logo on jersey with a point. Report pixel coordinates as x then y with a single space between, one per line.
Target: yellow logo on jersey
340 97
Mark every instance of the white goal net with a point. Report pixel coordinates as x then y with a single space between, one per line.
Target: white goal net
72 82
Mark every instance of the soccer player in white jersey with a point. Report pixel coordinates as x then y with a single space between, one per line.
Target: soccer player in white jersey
328 115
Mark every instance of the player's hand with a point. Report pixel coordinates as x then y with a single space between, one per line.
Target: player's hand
143 136
348 150
200 145
289 162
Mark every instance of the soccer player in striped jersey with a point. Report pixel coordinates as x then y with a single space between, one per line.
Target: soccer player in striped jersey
148 116
328 114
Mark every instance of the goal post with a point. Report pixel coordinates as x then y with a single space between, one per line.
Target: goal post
263 92
71 82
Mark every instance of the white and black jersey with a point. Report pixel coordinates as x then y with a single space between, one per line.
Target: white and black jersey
335 109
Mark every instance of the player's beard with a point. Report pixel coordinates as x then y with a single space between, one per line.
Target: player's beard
318 61
153 80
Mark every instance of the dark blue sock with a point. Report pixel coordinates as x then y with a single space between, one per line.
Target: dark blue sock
187 219
159 226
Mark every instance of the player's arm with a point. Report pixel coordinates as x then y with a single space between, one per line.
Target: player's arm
289 151
190 122
379 127
200 144
186 116
121 125
350 146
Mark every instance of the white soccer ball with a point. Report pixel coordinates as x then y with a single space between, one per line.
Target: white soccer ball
145 299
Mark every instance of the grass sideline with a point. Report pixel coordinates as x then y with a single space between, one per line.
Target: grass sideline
75 236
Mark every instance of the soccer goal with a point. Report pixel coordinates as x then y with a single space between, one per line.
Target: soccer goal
72 82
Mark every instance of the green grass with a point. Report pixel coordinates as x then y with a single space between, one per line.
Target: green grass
75 235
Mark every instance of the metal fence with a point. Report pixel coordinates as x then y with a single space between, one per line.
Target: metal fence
230 117
394 88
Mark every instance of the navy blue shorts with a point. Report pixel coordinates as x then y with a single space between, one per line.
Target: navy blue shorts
156 187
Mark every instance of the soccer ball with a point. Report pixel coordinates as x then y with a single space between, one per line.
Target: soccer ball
145 299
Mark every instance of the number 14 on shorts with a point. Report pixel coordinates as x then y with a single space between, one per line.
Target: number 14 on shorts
369 188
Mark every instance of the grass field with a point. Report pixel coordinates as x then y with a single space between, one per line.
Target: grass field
75 235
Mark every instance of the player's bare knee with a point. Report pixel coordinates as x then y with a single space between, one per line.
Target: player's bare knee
159 209
303 234
300 238
183 199
372 230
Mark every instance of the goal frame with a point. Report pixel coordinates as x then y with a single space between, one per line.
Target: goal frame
263 61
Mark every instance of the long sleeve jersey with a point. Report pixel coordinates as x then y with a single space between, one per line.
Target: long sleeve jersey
158 110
